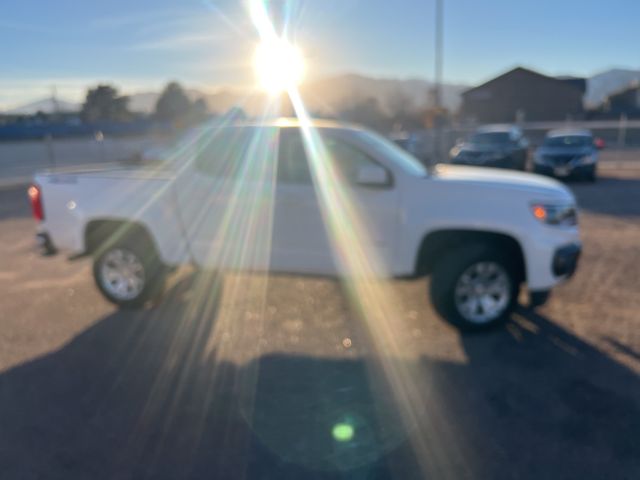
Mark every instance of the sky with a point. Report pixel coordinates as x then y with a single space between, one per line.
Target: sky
139 45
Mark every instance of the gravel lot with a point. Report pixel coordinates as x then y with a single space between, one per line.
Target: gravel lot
248 378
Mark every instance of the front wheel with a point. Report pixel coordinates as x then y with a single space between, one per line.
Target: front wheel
475 287
128 274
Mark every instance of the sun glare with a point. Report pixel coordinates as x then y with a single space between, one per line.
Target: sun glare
279 65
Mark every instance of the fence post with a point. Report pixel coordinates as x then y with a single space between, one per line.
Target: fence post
48 140
622 130
99 136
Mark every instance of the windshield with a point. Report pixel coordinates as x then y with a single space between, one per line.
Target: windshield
491 138
569 141
400 157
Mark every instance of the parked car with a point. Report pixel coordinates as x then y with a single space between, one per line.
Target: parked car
568 153
481 234
501 146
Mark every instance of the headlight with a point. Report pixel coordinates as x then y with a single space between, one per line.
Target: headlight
555 214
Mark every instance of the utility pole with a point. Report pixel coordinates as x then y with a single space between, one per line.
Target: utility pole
438 55
437 85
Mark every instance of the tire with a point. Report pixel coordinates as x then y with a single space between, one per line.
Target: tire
522 165
591 176
146 273
447 279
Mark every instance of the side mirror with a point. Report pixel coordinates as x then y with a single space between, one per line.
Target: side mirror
599 143
372 176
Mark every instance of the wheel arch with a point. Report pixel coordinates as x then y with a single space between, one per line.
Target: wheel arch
438 243
104 232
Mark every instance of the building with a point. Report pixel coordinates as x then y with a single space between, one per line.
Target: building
624 102
521 94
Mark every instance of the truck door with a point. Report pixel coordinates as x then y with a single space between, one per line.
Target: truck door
307 231
226 197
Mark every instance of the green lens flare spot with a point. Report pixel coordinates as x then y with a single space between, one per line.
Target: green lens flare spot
342 432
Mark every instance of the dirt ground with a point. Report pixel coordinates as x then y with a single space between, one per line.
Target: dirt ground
278 378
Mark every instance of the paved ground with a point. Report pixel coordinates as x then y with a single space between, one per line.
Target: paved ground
249 379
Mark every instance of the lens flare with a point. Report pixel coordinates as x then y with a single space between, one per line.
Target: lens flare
242 241
279 65
342 432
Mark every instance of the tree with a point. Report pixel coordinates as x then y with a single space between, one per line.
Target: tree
104 103
173 104
404 112
199 110
367 112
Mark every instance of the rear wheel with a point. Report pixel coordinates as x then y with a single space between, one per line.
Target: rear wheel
475 287
129 273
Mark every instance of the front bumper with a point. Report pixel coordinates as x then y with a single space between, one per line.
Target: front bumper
564 170
542 244
565 260
505 162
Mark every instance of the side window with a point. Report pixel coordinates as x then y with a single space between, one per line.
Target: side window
293 165
348 158
221 153
292 159
237 153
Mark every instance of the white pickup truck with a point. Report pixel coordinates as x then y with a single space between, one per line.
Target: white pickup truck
245 197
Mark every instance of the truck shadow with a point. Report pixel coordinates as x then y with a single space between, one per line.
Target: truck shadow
142 395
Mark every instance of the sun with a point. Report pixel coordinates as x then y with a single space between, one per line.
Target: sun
279 65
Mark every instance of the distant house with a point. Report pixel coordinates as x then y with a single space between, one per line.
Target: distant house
624 102
522 94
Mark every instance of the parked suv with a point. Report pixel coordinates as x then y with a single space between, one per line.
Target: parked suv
246 197
566 153
501 146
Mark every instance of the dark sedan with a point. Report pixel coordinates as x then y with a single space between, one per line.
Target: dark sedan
568 153
500 146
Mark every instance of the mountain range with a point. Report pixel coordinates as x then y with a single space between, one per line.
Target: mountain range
323 96
45 105
332 94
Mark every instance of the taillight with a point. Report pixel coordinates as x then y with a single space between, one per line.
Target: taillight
36 202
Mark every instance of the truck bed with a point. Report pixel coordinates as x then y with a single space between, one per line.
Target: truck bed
73 197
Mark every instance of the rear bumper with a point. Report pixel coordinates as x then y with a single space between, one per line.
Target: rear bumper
565 260
45 243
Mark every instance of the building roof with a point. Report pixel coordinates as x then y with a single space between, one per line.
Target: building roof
573 82
631 87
